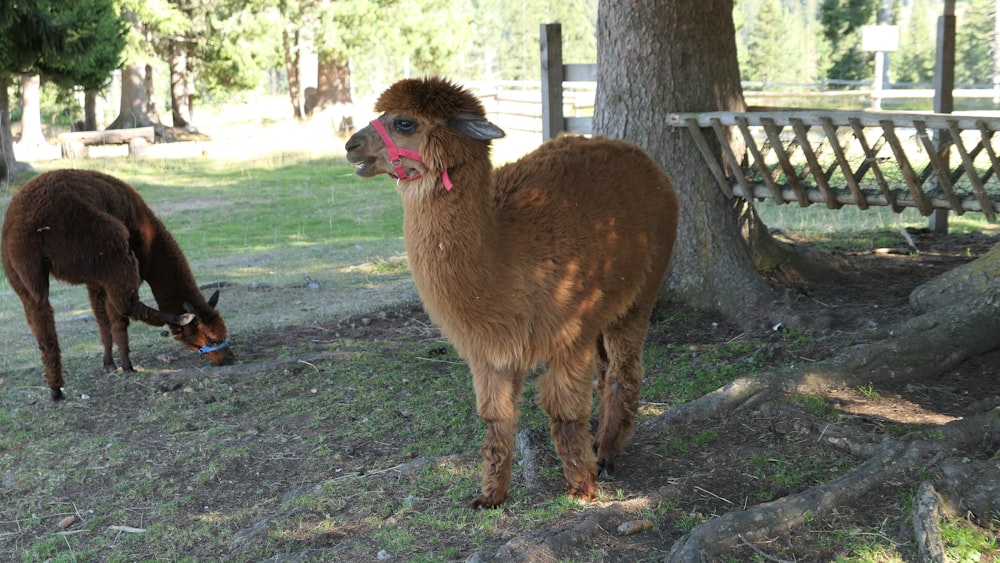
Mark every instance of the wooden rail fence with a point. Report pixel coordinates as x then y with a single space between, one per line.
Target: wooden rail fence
927 161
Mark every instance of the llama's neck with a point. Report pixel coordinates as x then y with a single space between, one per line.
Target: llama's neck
165 269
451 236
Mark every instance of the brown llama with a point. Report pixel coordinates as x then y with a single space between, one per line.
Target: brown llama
85 227
556 258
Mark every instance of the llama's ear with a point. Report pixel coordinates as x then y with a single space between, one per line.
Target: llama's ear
185 319
476 127
213 299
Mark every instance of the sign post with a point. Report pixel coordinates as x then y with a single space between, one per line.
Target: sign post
882 39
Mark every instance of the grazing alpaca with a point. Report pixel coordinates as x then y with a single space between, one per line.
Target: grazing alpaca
89 228
556 258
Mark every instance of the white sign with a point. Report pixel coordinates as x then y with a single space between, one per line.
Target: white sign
880 38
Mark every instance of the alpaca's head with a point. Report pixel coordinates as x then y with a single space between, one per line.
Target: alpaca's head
429 124
204 332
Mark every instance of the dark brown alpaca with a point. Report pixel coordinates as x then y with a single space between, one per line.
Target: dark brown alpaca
85 227
556 258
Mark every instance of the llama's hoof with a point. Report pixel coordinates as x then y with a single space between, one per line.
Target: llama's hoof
57 394
606 469
483 502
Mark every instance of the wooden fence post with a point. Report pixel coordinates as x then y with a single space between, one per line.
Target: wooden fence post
552 80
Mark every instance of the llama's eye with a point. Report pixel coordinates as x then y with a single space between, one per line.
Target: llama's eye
405 126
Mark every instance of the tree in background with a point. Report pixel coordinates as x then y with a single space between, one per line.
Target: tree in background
842 21
974 42
914 61
760 58
70 44
230 47
93 48
506 40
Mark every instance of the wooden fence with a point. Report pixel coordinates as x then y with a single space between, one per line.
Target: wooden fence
928 161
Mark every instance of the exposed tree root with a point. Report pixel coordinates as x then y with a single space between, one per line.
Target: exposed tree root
926 513
714 538
918 349
779 517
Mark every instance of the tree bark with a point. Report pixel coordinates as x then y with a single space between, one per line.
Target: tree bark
32 139
180 98
6 138
979 277
151 110
658 58
333 96
90 110
134 101
290 43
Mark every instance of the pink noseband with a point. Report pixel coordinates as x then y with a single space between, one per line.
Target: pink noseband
397 153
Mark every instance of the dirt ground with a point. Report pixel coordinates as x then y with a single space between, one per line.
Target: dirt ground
706 482
752 457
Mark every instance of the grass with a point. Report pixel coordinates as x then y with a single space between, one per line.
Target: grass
322 444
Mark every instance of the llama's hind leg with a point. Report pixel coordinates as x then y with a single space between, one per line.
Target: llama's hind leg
498 391
43 325
566 395
32 285
618 385
42 321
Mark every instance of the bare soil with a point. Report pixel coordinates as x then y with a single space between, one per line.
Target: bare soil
716 479
752 457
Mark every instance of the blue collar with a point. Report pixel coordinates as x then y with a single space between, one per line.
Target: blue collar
206 348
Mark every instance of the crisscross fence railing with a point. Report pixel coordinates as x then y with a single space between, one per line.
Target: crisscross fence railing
925 161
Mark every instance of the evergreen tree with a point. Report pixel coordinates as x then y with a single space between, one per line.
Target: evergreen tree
69 43
974 39
914 61
765 49
842 21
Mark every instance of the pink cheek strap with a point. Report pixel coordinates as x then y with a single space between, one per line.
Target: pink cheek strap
397 153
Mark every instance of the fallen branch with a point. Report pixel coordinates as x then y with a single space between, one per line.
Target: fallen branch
127 529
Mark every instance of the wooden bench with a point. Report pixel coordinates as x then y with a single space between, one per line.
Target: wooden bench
74 145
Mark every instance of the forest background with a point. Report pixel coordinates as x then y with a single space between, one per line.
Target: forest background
324 55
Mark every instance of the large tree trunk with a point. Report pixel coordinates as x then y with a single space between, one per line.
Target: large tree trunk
658 58
90 110
290 43
333 96
32 144
134 106
180 96
6 137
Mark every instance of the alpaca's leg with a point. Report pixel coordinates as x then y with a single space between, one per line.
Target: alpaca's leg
41 320
498 392
566 395
119 334
98 303
619 380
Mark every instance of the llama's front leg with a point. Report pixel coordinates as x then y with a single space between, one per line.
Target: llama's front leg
566 396
497 393
619 381
98 303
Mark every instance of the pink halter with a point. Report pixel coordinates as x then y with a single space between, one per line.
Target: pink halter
397 153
